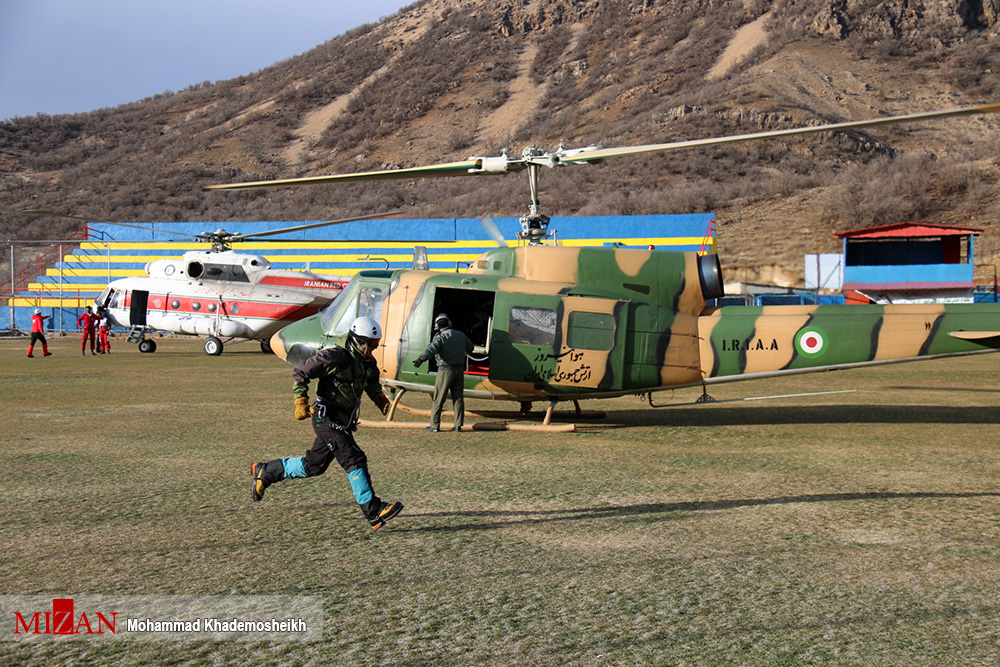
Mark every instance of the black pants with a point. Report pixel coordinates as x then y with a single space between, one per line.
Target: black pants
330 444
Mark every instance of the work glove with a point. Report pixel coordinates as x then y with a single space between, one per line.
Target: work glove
383 403
417 362
302 410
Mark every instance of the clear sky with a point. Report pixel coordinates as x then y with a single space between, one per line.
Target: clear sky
67 56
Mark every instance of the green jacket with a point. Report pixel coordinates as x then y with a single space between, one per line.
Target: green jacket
448 348
344 374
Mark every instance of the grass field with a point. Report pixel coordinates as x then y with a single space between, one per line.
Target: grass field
857 528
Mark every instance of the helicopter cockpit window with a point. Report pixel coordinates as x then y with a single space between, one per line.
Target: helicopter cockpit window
364 302
330 313
532 326
105 298
370 302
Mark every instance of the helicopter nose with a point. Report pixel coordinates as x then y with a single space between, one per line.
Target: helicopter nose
278 346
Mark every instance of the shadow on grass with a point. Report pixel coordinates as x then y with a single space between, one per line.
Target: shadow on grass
978 390
709 415
514 517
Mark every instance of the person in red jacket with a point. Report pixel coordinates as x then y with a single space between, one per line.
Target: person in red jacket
103 329
38 333
87 322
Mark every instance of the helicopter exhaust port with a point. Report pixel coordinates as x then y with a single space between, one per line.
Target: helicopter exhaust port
195 269
710 276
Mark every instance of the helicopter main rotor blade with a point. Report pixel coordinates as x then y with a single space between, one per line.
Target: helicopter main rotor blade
108 222
589 155
534 158
463 168
314 225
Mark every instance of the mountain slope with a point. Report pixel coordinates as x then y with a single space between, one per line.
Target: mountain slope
445 79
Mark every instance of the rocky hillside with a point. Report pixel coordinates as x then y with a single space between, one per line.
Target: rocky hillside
446 79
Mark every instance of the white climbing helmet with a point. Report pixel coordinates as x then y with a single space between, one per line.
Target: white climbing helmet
366 328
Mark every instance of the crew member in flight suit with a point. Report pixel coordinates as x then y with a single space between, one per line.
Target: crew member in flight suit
344 372
449 348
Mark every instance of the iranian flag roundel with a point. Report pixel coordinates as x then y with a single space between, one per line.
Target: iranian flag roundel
810 342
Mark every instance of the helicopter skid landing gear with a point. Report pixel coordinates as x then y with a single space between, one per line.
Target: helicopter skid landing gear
524 413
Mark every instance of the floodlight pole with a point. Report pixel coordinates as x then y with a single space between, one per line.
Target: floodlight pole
61 288
11 285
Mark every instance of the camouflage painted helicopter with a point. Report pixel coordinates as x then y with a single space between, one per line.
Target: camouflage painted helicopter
555 323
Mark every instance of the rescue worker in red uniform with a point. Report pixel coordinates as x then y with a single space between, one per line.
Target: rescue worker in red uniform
88 322
103 328
38 333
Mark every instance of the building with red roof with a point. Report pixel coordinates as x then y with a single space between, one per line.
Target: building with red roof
909 262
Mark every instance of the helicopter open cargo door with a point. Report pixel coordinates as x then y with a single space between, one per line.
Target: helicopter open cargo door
470 311
137 308
551 341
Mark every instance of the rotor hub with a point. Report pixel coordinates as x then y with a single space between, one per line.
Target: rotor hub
534 228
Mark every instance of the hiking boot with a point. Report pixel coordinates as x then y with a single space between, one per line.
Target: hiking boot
258 484
31 356
388 511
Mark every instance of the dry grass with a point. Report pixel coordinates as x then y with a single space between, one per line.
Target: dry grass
848 529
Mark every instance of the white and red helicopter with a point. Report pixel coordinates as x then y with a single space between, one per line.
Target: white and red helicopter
223 294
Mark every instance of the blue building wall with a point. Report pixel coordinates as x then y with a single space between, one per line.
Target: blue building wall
914 276
428 230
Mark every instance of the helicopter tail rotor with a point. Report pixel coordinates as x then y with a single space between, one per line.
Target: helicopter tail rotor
490 227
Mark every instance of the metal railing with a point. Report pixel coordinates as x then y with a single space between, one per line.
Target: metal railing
37 266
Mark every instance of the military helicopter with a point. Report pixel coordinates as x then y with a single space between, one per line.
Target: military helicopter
219 293
553 323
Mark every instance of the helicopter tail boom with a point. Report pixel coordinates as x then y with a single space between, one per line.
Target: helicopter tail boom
738 341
